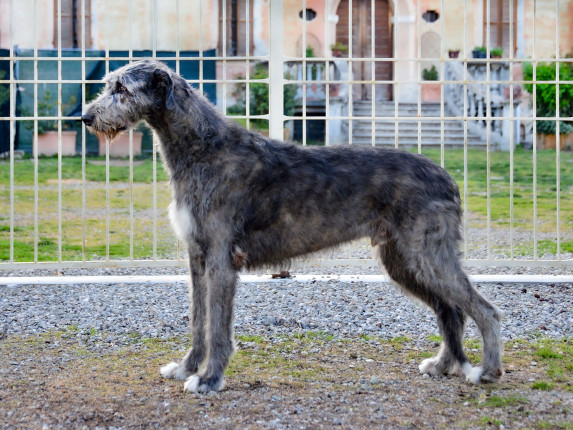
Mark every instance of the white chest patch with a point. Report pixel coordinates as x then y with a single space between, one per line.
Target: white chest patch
182 220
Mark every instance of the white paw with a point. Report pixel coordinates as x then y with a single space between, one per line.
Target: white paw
428 366
473 375
174 371
192 384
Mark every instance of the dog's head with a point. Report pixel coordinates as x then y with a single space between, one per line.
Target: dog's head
135 92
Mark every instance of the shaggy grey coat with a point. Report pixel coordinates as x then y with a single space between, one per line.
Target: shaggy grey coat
244 200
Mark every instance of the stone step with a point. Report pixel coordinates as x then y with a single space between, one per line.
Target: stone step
430 130
409 125
414 135
404 109
412 143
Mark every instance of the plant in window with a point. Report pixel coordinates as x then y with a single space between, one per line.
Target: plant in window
338 49
496 52
453 53
480 52
430 74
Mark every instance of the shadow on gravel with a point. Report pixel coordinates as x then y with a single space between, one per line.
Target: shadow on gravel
310 380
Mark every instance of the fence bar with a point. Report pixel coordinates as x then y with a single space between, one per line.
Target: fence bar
327 77
276 80
373 68
350 74
131 214
557 133
83 127
419 71
394 70
465 104
534 110
12 130
304 73
488 126
442 99
511 136
35 136
59 19
155 144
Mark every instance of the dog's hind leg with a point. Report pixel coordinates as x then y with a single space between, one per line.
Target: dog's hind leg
198 296
441 283
451 323
487 318
451 320
222 280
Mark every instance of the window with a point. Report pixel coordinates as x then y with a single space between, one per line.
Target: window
499 24
235 26
308 15
430 16
72 23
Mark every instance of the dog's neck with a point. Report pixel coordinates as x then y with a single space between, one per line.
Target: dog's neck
192 138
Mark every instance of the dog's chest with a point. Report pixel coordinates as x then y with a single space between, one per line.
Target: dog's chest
182 220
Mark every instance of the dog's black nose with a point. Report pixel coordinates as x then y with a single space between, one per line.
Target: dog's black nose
87 119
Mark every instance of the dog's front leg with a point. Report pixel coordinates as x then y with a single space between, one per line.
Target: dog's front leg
198 301
221 276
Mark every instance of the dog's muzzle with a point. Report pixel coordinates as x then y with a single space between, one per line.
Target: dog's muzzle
87 119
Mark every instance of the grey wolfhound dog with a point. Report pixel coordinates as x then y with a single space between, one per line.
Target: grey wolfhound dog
244 200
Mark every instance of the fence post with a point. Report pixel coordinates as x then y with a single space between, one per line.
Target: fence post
276 80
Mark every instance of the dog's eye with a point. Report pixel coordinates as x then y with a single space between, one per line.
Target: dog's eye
122 89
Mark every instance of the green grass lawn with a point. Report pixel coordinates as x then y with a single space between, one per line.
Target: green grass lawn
84 231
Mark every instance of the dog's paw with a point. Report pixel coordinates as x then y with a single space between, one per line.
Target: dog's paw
491 376
196 384
477 375
473 374
174 371
428 366
435 366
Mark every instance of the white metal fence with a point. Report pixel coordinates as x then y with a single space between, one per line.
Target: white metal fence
87 211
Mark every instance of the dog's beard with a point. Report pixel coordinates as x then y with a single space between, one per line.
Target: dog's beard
109 134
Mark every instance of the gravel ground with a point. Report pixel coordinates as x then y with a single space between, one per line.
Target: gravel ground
56 340
340 308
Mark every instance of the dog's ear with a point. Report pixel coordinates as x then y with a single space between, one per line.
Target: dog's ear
161 78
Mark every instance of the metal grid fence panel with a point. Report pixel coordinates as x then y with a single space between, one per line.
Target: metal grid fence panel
276 68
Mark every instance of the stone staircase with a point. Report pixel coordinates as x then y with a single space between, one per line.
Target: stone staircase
408 129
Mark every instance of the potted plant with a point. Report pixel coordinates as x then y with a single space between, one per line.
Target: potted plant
431 91
338 49
48 129
496 52
453 53
479 52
